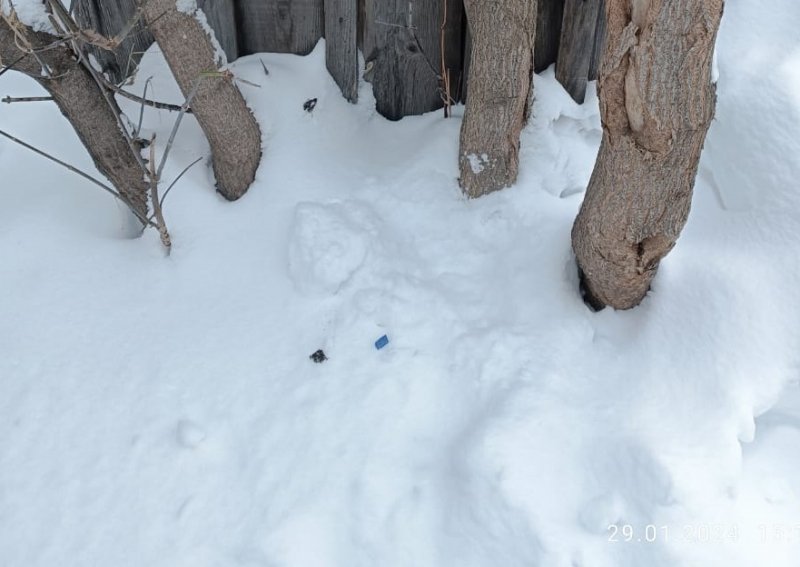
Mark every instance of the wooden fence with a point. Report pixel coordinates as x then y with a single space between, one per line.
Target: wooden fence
416 52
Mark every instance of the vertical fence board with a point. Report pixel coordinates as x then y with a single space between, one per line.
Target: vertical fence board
341 50
451 39
599 43
402 47
548 33
221 17
108 18
466 58
577 46
279 26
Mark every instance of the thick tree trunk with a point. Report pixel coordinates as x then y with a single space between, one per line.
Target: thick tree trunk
82 103
219 107
656 101
500 90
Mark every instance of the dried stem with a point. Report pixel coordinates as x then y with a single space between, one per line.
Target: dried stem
157 213
445 76
12 99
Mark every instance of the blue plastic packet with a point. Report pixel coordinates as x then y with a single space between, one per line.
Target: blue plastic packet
381 342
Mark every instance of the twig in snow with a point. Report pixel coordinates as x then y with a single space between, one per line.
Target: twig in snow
12 99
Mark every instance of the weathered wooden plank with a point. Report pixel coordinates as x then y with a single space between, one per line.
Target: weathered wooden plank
341 50
467 60
108 18
362 17
403 49
279 26
221 16
599 43
548 33
577 45
451 43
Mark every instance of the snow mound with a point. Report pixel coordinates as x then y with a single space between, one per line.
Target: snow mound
328 244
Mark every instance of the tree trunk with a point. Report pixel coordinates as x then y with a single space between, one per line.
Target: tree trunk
220 109
82 103
500 89
656 101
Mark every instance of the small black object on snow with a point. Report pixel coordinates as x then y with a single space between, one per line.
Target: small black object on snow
318 356
264 66
309 105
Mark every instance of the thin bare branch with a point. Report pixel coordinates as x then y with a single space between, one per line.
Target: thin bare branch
142 99
174 181
177 124
83 174
141 108
12 99
9 67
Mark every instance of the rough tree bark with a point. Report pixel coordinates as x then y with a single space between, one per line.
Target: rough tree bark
656 102
500 89
81 101
220 109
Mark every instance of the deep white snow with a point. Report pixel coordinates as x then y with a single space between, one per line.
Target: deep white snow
163 411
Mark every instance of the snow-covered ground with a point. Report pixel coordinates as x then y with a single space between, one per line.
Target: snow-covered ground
163 411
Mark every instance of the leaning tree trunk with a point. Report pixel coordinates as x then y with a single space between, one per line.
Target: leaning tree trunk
82 103
220 109
656 103
500 87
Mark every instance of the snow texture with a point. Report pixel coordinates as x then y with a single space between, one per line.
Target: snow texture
186 6
32 13
163 411
477 163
